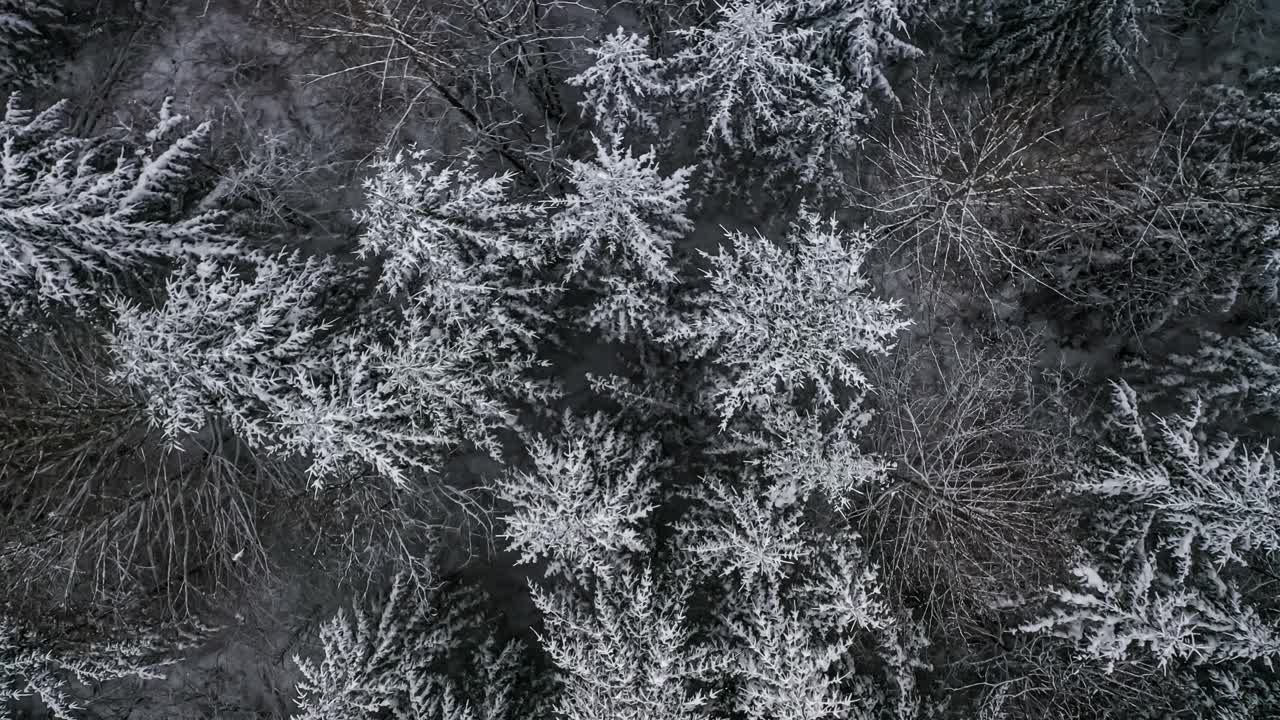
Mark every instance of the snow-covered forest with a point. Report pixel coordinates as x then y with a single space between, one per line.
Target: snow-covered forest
640 359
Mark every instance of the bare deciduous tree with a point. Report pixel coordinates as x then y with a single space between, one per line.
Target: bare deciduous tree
495 68
966 515
957 180
1178 215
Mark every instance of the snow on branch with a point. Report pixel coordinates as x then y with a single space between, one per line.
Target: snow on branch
75 223
781 318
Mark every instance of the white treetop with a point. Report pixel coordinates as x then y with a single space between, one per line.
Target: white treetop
1190 497
744 537
779 317
396 404
629 655
751 74
802 456
787 669
791 637
792 80
1234 378
621 83
623 208
1138 615
860 37
438 229
580 504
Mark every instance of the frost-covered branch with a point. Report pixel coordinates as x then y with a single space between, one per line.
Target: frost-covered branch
439 228
630 654
75 222
617 231
420 653
34 665
252 347
27 31
792 80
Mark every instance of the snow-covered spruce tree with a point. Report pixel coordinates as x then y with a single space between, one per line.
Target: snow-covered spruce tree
747 537
456 241
223 342
784 604
793 599
37 664
400 400
1057 41
803 454
980 447
618 636
1235 691
791 81
429 656
582 505
623 208
26 36
1135 617
784 319
860 39
622 87
1183 529
440 226
249 345
796 608
617 230
79 216
630 652
788 668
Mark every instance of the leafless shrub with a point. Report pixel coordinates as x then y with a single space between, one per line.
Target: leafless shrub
966 516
